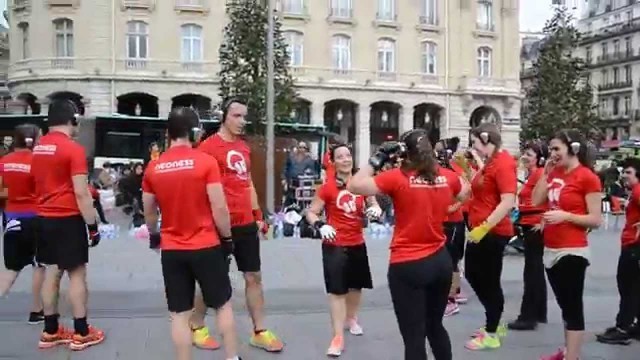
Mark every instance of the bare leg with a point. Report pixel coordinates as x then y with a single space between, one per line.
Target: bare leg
199 312
455 284
181 334
36 288
78 291
338 307
353 303
255 299
7 278
574 344
51 290
227 327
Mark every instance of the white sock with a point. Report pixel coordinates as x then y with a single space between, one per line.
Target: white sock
234 358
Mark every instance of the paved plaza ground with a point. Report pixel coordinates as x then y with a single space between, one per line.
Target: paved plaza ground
127 301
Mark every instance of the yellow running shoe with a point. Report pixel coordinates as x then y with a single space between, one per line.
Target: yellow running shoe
203 340
267 341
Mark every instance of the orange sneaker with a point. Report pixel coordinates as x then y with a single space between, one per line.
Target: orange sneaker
203 340
336 347
94 337
62 337
267 341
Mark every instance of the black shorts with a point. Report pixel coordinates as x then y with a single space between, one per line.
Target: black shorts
64 242
181 270
21 244
246 247
345 268
455 232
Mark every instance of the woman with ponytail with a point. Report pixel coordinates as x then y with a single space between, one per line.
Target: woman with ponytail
572 192
21 236
534 299
420 268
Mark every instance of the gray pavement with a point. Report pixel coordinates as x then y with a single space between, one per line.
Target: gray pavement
127 301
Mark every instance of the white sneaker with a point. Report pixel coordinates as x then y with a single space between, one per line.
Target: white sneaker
354 327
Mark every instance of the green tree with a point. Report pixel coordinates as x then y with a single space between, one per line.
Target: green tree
560 97
243 61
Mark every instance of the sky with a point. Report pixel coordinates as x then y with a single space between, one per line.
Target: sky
533 14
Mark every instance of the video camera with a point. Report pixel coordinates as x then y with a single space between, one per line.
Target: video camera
444 153
388 152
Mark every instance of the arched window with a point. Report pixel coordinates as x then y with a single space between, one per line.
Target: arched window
429 58
295 47
386 56
341 53
191 43
484 62
63 30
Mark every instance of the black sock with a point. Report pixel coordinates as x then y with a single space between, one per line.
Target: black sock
80 326
51 323
258 332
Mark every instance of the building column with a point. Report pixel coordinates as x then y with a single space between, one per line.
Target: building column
164 107
363 134
317 113
405 122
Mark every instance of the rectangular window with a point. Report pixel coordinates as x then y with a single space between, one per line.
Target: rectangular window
386 10
605 77
616 105
24 29
589 55
342 9
64 37
605 51
627 105
628 46
485 15
616 75
429 12
628 74
429 58
293 7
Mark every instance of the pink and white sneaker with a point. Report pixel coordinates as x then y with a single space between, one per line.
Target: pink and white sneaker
452 309
559 355
354 327
461 298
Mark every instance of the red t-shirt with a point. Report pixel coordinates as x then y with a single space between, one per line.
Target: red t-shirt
329 168
419 213
344 213
530 215
453 177
499 176
567 192
179 179
15 169
56 159
234 162
632 216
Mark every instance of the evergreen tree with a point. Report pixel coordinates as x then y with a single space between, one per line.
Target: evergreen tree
560 97
243 61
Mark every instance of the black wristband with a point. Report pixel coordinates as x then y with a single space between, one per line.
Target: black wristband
318 224
226 239
92 227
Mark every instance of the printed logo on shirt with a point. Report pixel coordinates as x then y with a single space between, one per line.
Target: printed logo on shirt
555 189
418 182
171 166
45 149
237 163
346 202
15 167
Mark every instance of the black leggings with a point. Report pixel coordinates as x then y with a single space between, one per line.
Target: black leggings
419 291
566 278
483 269
534 298
628 279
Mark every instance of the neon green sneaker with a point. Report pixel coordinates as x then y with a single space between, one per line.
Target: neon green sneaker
501 331
485 341
203 340
267 341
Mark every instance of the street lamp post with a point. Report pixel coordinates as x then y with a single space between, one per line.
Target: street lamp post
270 199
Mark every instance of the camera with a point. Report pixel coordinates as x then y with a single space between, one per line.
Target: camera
388 152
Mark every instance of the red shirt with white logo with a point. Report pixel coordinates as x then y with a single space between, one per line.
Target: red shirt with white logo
56 159
499 176
419 212
452 177
567 191
15 169
345 213
179 179
529 214
234 161
632 215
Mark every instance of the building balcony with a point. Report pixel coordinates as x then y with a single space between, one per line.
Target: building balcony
615 86
138 4
357 78
614 58
69 68
489 85
621 118
611 31
294 12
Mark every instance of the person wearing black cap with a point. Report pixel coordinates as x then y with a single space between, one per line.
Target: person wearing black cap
69 225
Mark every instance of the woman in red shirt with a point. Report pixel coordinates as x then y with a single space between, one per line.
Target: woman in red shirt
344 253
420 268
494 189
534 299
22 236
572 191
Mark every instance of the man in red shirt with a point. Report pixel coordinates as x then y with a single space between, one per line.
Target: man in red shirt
192 250
68 224
628 264
234 160
21 236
